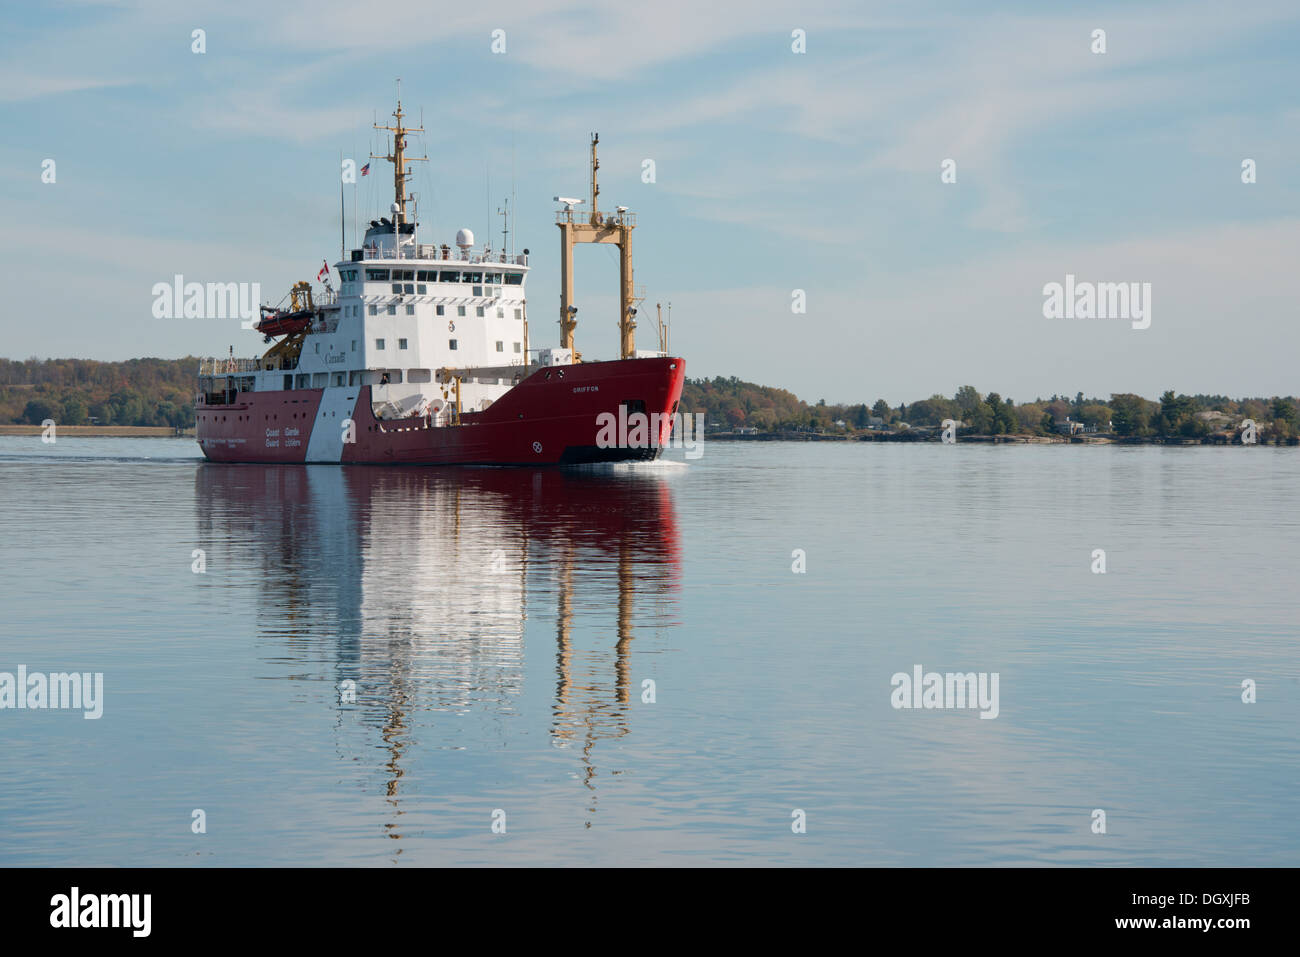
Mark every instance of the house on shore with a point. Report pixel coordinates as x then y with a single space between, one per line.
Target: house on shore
1068 426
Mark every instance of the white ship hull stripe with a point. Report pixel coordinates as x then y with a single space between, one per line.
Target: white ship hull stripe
326 442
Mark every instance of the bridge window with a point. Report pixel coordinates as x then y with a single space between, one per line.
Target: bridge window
408 288
381 377
397 287
421 290
514 278
426 275
450 276
403 273
471 277
377 275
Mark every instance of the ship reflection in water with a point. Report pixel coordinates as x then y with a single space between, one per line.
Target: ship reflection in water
414 590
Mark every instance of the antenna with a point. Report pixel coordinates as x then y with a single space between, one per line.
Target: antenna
504 213
512 189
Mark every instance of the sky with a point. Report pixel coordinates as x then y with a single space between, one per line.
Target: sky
775 171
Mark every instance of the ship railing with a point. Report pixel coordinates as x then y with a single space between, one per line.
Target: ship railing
582 217
324 296
227 366
432 251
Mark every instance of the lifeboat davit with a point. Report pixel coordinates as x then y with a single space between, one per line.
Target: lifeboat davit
276 323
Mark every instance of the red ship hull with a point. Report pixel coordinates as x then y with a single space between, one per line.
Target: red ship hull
551 418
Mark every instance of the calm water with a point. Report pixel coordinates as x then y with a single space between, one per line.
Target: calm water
499 626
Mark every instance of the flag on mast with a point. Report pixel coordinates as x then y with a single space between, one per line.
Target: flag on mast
324 273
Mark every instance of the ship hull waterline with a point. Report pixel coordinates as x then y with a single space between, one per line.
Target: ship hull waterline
550 418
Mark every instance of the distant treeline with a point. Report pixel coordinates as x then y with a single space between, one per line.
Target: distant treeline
82 391
160 392
732 403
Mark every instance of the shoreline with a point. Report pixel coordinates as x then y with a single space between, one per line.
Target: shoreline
934 435
909 436
102 431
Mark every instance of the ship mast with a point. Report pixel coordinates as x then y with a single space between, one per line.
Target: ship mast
399 159
616 230
595 187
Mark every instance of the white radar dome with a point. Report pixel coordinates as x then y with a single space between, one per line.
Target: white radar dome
465 238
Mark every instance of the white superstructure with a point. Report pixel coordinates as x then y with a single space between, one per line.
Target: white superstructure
432 329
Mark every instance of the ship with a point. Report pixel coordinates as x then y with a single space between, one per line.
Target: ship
422 357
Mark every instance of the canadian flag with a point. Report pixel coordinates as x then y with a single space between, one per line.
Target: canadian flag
324 272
